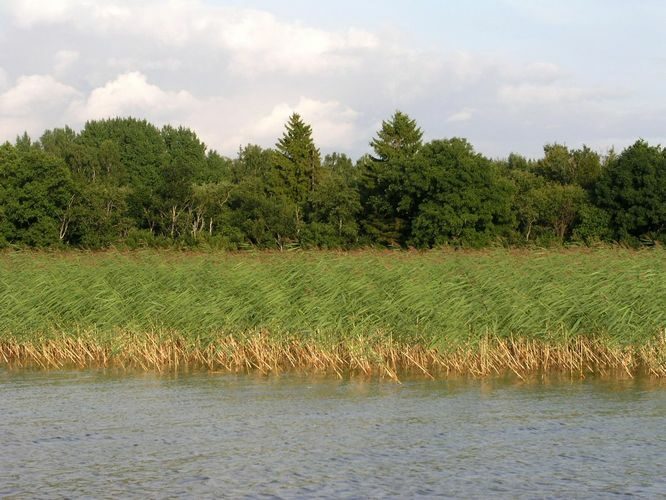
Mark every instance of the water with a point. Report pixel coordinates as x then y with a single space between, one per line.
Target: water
95 434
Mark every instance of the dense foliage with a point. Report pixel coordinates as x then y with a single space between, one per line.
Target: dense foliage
125 182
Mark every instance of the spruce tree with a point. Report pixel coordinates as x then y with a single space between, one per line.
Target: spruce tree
399 138
388 206
298 160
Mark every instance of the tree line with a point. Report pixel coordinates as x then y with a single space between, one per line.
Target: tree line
126 182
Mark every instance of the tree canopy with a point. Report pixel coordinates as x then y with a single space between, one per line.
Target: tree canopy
633 191
124 181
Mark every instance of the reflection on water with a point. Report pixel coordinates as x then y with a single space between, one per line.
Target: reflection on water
208 435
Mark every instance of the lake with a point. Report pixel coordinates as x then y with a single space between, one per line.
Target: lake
109 434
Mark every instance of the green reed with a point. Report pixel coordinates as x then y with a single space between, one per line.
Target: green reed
439 299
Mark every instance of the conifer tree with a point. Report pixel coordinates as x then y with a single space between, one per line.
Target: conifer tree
399 138
388 207
297 160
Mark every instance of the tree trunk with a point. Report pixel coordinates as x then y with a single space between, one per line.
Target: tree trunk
65 220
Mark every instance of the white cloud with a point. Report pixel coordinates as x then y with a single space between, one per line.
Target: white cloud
64 60
464 115
540 72
532 93
35 94
32 12
129 63
543 72
468 67
131 94
271 124
258 42
32 104
334 125
3 79
255 40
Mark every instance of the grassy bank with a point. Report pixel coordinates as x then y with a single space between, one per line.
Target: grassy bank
468 312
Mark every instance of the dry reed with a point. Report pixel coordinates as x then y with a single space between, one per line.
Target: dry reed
264 353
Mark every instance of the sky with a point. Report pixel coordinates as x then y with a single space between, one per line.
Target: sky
508 75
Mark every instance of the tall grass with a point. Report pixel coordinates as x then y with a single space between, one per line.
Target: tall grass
439 301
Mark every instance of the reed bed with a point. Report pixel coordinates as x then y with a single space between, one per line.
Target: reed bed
261 352
433 313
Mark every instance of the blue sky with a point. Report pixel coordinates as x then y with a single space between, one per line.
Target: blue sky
509 75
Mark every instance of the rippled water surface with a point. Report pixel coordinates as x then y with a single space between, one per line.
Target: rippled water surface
97 434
